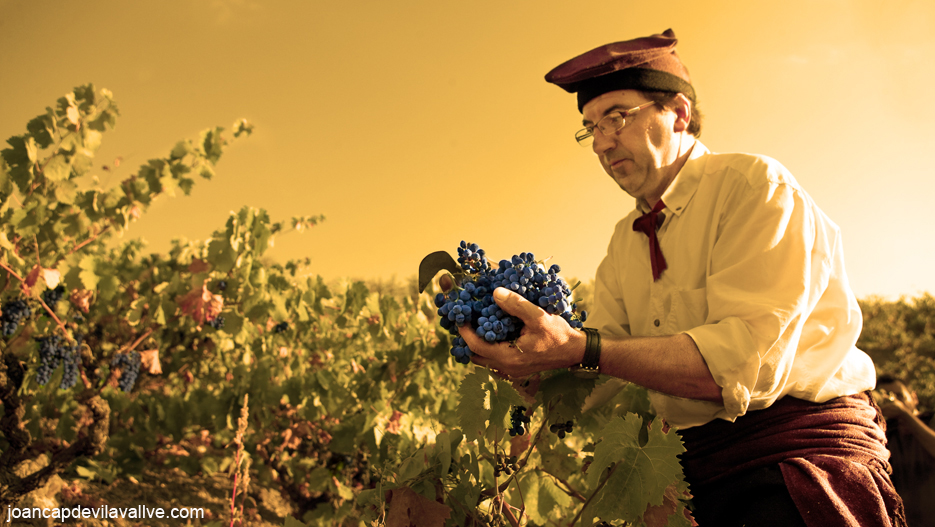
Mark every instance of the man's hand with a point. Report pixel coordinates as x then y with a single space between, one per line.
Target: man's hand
894 408
546 341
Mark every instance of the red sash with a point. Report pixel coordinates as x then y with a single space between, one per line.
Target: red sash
832 455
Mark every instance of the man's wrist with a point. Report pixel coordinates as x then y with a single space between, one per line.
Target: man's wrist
590 365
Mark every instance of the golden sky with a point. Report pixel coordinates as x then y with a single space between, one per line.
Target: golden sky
414 124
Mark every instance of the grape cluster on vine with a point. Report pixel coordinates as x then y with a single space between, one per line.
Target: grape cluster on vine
222 285
505 465
52 296
560 429
281 327
54 350
13 312
129 363
217 322
519 421
471 302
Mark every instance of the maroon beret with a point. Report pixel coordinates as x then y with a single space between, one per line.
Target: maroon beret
646 63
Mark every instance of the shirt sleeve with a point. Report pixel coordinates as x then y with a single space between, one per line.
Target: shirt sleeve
767 270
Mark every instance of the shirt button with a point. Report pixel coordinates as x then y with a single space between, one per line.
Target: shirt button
656 322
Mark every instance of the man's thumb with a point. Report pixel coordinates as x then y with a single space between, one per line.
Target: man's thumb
515 304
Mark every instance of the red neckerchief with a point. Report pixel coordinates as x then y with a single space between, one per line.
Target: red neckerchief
648 225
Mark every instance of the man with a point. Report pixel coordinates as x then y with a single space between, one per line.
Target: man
724 294
911 441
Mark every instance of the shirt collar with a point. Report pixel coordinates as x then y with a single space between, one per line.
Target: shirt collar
682 188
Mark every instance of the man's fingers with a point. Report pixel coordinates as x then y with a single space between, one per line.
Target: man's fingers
516 305
445 283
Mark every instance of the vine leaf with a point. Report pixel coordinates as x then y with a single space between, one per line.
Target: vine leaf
641 474
474 406
432 264
483 399
201 304
408 509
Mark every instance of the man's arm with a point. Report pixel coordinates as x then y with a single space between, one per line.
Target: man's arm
670 364
912 423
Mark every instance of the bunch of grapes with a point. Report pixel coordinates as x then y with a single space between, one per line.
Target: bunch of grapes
14 312
52 296
519 421
472 304
281 327
54 350
130 366
505 465
561 429
222 285
217 322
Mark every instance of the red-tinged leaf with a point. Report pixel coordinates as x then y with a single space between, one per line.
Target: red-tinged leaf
199 266
408 509
150 360
81 299
393 427
201 304
33 276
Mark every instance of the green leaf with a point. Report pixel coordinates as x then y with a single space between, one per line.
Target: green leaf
443 454
42 128
57 168
502 399
213 144
640 474
221 255
88 275
567 393
412 466
474 406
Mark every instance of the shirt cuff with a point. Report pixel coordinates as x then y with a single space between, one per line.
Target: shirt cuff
731 356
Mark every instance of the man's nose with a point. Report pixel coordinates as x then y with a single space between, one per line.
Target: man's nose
602 142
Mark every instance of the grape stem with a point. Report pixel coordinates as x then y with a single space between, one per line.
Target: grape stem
565 486
593 494
489 493
78 247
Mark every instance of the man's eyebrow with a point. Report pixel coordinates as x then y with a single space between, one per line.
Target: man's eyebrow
614 108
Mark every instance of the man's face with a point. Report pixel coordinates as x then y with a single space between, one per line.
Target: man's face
636 156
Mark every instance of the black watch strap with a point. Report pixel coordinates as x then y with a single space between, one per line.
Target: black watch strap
590 366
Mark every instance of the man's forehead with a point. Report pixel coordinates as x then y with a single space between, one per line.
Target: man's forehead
613 100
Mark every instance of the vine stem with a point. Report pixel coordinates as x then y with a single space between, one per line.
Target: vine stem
12 272
568 489
89 240
491 492
591 497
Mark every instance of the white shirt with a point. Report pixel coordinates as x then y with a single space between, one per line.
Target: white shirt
755 277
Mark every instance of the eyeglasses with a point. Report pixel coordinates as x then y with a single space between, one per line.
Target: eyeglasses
609 124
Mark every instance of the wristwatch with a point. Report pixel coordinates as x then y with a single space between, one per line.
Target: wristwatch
590 366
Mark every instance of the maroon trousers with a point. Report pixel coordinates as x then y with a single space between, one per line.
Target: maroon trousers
831 458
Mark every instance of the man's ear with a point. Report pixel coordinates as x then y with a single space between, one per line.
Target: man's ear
683 112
